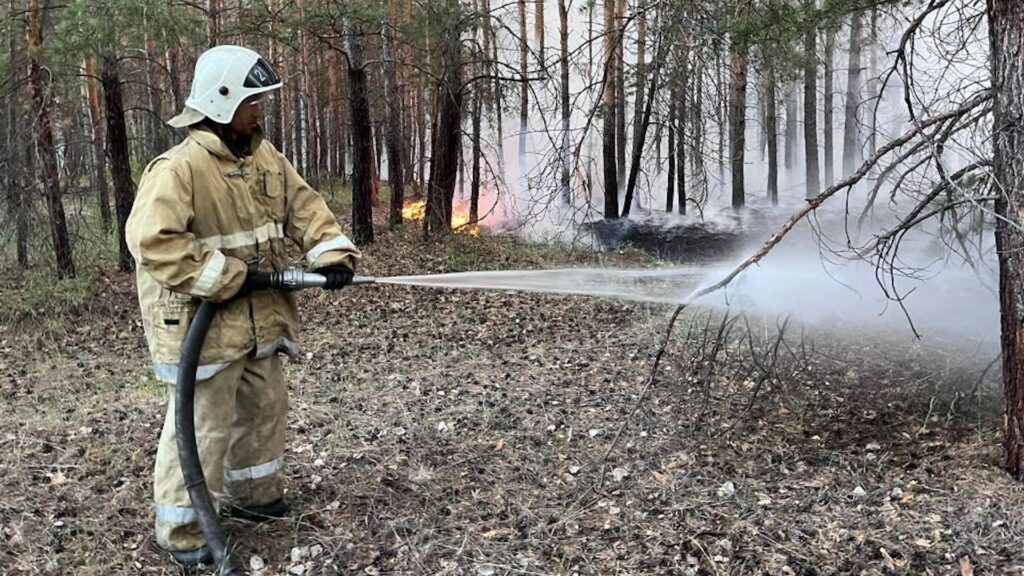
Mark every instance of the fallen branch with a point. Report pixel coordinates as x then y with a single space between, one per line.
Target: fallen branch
849 182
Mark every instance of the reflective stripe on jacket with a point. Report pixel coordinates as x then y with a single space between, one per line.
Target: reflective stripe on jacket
201 218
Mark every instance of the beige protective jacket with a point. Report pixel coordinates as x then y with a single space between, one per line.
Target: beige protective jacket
202 218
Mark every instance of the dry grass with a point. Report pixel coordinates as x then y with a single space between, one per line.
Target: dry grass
439 432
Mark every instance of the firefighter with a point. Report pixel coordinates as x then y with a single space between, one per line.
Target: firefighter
210 220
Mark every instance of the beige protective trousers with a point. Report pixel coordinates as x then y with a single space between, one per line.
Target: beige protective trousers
240 418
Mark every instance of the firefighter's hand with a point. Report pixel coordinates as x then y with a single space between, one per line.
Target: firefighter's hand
338 276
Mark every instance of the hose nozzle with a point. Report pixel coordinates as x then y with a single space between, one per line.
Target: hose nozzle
297 279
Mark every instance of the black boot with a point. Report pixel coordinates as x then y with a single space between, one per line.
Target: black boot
201 555
258 512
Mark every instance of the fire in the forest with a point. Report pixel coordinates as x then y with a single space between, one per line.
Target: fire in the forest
416 210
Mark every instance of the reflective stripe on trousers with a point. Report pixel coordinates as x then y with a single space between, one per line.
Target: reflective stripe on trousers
240 424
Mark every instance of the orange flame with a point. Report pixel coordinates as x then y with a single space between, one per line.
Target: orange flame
416 210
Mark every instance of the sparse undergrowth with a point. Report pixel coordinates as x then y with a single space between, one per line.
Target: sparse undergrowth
444 432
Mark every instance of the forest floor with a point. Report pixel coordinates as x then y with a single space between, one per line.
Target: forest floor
446 432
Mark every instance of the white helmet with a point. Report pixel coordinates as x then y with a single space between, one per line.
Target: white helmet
224 76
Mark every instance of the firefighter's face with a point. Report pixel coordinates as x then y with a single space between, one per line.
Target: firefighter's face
248 116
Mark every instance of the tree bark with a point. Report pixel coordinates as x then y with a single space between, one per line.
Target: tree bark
697 127
812 170
670 192
641 65
120 165
524 90
98 140
309 119
498 98
421 129
444 164
565 152
474 186
772 130
213 25
680 122
394 117
738 122
851 130
334 132
154 124
174 70
538 29
620 93
17 195
362 141
45 148
873 80
829 106
611 188
1006 36
792 103
638 144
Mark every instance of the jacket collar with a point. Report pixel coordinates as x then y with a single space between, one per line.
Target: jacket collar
212 143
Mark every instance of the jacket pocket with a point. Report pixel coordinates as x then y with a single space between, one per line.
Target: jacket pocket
273 194
275 204
171 318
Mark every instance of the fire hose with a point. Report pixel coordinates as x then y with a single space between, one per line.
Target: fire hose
184 415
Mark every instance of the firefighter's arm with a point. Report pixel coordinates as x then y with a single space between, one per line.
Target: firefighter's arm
158 237
312 225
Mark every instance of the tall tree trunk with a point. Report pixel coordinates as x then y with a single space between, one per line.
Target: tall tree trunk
362 141
378 150
274 119
334 116
873 80
670 191
829 106
156 140
812 170
589 181
639 137
284 103
524 91
17 195
722 109
538 30
697 149
565 152
474 186
312 140
498 97
762 114
44 147
772 130
421 129
394 117
174 70
738 121
444 163
851 130
611 187
120 166
213 22
98 140
409 112
680 122
1006 36
792 103
620 93
641 64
